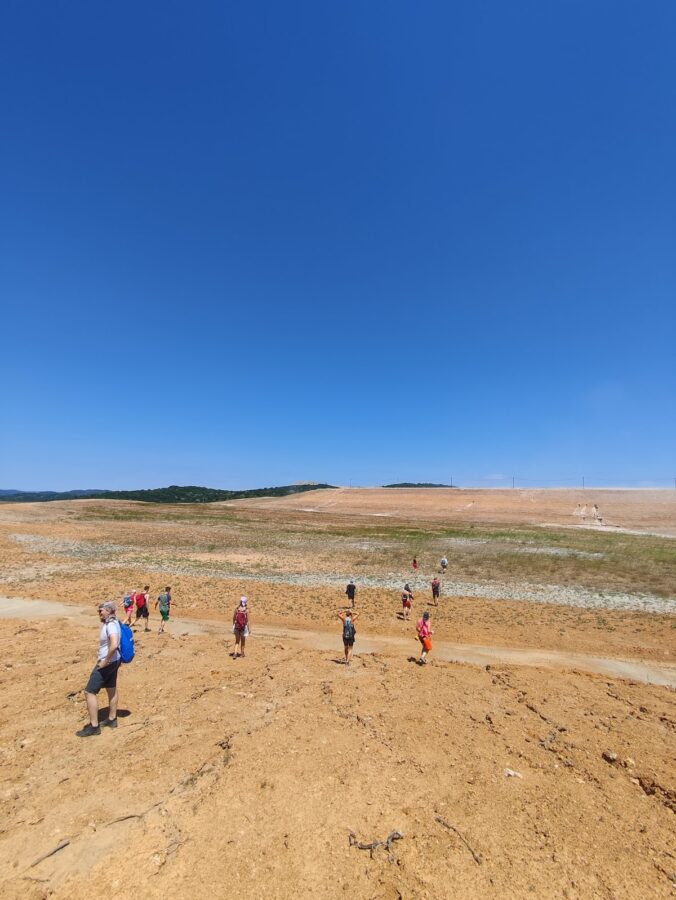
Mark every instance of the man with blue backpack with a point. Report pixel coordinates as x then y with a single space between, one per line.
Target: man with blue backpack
116 645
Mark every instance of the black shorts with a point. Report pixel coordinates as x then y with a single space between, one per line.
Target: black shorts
348 643
103 678
435 592
142 612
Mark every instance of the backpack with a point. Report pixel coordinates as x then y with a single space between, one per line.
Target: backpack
128 601
349 631
241 619
126 648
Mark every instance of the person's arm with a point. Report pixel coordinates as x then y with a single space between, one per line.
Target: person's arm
113 644
355 616
341 616
156 602
234 616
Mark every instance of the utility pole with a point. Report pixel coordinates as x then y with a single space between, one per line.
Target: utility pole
512 482
583 482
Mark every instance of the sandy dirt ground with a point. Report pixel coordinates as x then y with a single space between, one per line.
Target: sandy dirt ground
262 776
643 510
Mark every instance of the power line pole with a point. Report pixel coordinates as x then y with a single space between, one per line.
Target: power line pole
512 482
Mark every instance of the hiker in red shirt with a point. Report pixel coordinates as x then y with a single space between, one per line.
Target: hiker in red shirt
142 611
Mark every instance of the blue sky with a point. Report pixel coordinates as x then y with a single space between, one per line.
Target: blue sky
249 244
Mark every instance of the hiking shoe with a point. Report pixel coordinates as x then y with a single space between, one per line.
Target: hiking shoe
109 723
89 730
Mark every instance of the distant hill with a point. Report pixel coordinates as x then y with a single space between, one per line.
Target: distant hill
172 494
416 484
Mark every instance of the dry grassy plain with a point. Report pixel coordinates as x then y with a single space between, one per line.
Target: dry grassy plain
246 778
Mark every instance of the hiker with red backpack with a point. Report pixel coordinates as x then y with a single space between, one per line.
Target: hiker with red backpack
240 627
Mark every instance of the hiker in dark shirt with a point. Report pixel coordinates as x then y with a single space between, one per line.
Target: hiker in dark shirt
351 591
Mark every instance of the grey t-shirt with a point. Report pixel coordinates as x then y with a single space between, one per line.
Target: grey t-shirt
107 630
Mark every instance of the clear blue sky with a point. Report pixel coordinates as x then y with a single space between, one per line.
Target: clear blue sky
249 244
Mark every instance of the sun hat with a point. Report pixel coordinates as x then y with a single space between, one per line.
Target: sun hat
243 601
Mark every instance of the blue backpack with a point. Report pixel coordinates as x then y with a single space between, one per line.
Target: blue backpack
127 649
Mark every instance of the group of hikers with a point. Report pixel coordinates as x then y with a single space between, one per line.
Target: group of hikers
114 638
138 601
423 625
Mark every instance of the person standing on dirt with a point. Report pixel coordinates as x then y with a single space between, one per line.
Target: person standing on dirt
104 674
436 589
142 611
444 565
240 627
351 591
415 563
424 636
406 601
348 618
164 603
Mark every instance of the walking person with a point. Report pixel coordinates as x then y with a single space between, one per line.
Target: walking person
164 603
142 611
240 627
351 591
348 618
128 604
444 565
436 589
406 601
415 564
104 674
424 636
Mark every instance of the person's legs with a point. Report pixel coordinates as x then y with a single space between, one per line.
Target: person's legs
349 648
92 708
346 650
237 640
146 616
242 643
112 702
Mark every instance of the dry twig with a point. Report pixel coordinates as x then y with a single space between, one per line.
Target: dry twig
59 846
477 858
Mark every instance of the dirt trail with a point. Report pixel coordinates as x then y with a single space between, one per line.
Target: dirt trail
390 645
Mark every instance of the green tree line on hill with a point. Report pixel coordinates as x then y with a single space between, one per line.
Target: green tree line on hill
173 494
416 484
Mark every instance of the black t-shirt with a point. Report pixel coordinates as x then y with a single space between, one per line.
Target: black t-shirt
351 590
